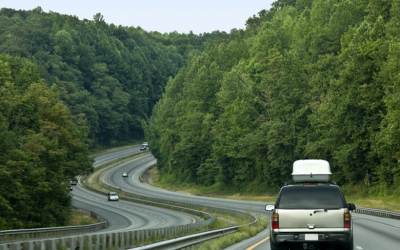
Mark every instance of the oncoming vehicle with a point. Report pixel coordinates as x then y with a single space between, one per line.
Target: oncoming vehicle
311 215
143 147
69 188
113 196
73 181
125 174
146 144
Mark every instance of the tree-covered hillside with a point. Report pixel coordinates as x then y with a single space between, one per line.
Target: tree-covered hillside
307 79
40 149
66 84
109 76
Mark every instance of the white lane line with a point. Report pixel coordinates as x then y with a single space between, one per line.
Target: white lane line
358 247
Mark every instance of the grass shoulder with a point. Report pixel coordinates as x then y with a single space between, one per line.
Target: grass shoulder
353 194
243 233
80 218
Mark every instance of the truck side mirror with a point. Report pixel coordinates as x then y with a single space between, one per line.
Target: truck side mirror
269 208
351 206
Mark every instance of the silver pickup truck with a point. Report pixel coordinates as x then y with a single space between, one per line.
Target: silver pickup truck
311 216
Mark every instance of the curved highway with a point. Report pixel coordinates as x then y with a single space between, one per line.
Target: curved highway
113 154
370 232
127 215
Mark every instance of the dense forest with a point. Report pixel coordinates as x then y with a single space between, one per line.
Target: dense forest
68 84
109 76
306 79
40 149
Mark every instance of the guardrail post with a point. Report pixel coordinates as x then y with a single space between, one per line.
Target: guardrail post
51 244
38 245
97 242
28 245
141 235
116 240
122 236
81 242
90 241
127 238
72 243
15 246
62 242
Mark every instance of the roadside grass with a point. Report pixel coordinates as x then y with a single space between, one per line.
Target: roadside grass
244 232
80 217
356 195
214 191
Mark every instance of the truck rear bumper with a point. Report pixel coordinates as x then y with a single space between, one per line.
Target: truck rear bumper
322 238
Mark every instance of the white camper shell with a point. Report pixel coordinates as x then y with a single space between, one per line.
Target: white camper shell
311 171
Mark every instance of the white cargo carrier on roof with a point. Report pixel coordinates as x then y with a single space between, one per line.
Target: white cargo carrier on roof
311 171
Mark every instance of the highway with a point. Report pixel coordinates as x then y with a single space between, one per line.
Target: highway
370 232
112 154
127 215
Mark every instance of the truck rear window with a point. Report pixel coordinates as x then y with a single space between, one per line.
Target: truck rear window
311 197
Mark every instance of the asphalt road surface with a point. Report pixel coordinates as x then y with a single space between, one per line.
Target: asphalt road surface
370 232
127 215
111 155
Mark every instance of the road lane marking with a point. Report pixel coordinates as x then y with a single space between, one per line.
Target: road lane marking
253 246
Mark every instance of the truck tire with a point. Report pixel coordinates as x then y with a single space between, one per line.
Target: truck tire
350 245
274 246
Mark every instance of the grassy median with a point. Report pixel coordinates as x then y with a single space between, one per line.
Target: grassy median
80 218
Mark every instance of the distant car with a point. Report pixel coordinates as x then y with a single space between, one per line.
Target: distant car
125 174
113 196
69 188
145 144
143 147
73 181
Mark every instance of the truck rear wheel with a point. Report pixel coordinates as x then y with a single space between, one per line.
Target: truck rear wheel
349 246
274 246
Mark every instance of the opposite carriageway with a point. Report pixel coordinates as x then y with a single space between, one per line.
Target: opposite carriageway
120 215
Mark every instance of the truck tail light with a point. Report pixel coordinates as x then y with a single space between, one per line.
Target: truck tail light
347 220
275 221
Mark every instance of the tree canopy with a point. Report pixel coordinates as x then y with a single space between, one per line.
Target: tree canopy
41 149
68 84
109 76
307 79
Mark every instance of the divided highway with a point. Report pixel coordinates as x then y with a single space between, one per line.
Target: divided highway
127 215
370 232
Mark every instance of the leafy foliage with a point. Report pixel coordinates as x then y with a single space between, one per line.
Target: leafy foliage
306 79
109 76
40 149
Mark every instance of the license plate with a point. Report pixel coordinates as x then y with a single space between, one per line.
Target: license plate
311 237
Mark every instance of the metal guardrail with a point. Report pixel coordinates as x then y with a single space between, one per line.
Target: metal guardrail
42 233
189 240
378 212
120 240
7 236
